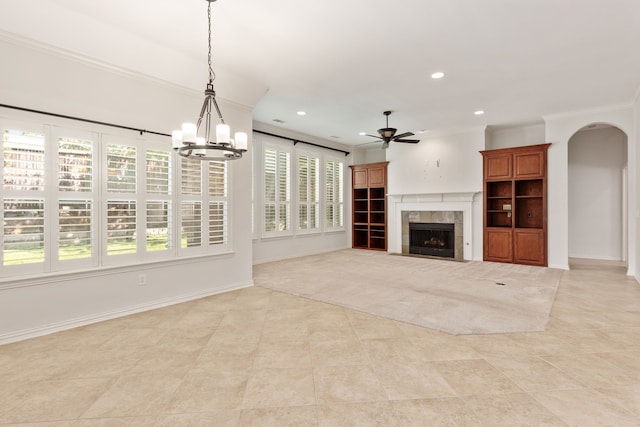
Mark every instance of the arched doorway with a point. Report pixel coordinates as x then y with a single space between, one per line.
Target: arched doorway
598 193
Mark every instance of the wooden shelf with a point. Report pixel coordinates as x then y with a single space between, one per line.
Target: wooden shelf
369 206
515 205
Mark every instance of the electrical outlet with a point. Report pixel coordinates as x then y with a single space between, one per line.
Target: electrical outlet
142 279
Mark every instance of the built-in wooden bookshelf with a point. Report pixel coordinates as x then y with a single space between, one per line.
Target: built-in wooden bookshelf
369 195
515 205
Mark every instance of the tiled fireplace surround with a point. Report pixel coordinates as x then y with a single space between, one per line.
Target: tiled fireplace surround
443 208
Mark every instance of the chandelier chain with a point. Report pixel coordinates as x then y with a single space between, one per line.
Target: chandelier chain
212 75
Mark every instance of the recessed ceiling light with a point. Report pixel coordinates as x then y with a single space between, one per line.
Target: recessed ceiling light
478 113
437 75
301 113
423 131
362 133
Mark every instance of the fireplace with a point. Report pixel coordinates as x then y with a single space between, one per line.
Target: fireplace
433 239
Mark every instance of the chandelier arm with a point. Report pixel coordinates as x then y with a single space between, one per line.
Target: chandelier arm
202 111
207 129
215 103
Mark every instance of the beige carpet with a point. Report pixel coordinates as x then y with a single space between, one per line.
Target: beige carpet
455 297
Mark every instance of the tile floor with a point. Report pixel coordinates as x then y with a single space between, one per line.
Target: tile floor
261 358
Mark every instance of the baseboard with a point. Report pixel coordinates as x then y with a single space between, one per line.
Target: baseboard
599 258
326 251
559 266
87 320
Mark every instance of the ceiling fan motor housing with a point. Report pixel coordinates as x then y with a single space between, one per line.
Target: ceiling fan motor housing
387 132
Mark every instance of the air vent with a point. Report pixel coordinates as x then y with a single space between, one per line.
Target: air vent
278 121
334 136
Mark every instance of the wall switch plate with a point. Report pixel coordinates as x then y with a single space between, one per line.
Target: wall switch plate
142 279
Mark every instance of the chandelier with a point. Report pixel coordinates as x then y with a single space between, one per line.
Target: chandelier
187 142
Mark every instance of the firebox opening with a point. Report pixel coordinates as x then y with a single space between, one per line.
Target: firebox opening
433 239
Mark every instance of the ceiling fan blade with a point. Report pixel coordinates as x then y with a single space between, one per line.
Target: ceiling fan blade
373 136
402 135
410 141
368 143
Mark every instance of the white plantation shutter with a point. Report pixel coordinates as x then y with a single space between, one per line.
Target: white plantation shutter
218 179
75 232
308 192
121 168
23 235
158 206
74 199
158 226
23 207
270 174
191 224
217 223
121 227
75 165
217 205
334 195
277 191
158 172
191 176
121 194
24 161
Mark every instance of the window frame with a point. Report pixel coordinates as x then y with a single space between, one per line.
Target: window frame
310 155
278 204
341 186
99 197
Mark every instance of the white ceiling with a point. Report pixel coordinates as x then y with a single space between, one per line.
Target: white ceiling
344 62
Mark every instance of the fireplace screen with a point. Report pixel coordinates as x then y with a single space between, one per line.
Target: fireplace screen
432 239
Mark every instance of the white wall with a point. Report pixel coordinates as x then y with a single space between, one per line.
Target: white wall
597 159
515 136
633 154
52 82
376 154
447 163
559 129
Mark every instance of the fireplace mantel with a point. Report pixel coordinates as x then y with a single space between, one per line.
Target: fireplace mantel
433 197
458 201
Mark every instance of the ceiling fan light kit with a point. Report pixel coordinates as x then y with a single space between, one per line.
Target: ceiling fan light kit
388 134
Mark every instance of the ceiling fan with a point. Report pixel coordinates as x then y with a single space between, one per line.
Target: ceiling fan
388 134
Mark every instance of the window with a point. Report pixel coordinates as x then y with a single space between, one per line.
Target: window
308 192
77 199
217 213
334 195
23 231
316 178
121 204
158 224
204 219
75 220
121 227
23 183
277 191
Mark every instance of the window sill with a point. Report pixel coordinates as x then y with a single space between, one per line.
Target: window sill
61 276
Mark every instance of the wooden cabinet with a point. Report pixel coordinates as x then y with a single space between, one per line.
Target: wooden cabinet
515 205
369 219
